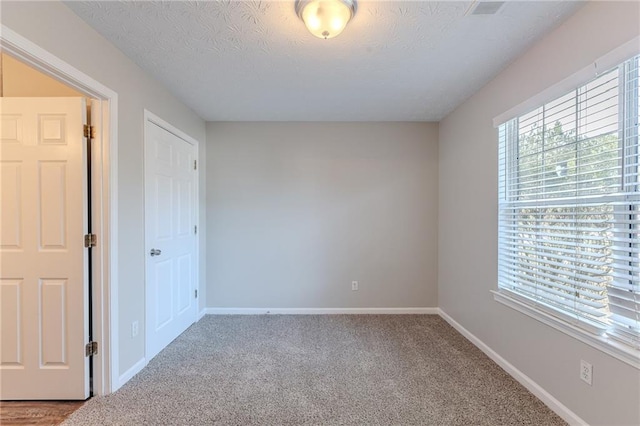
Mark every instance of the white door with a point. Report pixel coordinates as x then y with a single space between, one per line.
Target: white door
43 262
170 240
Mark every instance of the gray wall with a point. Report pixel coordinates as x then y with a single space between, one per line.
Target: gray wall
296 211
468 238
52 26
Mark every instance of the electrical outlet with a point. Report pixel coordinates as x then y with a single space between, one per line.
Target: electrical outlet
134 329
586 372
354 285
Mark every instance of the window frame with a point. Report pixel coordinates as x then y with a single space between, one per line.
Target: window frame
605 344
535 308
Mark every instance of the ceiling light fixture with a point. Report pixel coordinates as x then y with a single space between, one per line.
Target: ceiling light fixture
326 18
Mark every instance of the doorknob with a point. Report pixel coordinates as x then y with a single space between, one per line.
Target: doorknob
155 252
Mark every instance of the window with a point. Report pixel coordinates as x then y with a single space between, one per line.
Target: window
569 201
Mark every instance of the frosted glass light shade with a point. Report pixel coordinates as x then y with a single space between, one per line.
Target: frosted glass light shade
326 18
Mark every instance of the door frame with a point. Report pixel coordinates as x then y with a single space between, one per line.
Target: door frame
150 117
104 187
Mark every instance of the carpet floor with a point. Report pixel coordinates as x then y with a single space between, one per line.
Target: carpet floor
319 370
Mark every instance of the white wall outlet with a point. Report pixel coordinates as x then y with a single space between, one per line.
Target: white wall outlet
586 372
354 285
134 329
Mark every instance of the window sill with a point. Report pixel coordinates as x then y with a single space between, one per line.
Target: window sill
607 345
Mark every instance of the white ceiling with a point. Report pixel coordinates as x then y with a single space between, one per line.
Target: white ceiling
255 60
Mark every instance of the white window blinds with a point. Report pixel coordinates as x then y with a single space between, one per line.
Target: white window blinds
569 200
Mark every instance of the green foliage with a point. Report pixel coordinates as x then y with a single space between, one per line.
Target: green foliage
557 163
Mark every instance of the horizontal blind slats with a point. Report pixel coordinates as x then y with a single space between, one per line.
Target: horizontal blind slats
583 284
569 205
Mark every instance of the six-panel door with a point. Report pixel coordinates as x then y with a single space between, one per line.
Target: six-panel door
170 233
43 262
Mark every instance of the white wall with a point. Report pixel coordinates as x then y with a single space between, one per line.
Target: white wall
468 238
54 27
296 211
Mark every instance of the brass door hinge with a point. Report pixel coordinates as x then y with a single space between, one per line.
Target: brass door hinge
91 349
89 132
90 240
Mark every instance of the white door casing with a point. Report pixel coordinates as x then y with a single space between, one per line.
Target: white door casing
43 262
170 220
106 371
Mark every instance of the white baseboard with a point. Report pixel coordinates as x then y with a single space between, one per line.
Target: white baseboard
321 311
128 375
559 408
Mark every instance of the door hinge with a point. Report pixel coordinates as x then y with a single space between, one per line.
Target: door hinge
195 229
90 240
91 349
196 293
89 132
195 164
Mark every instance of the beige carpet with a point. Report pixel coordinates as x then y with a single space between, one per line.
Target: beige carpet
319 370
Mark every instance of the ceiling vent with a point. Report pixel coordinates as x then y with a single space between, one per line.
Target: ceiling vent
485 7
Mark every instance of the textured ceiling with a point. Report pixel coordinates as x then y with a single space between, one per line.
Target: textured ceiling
255 60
